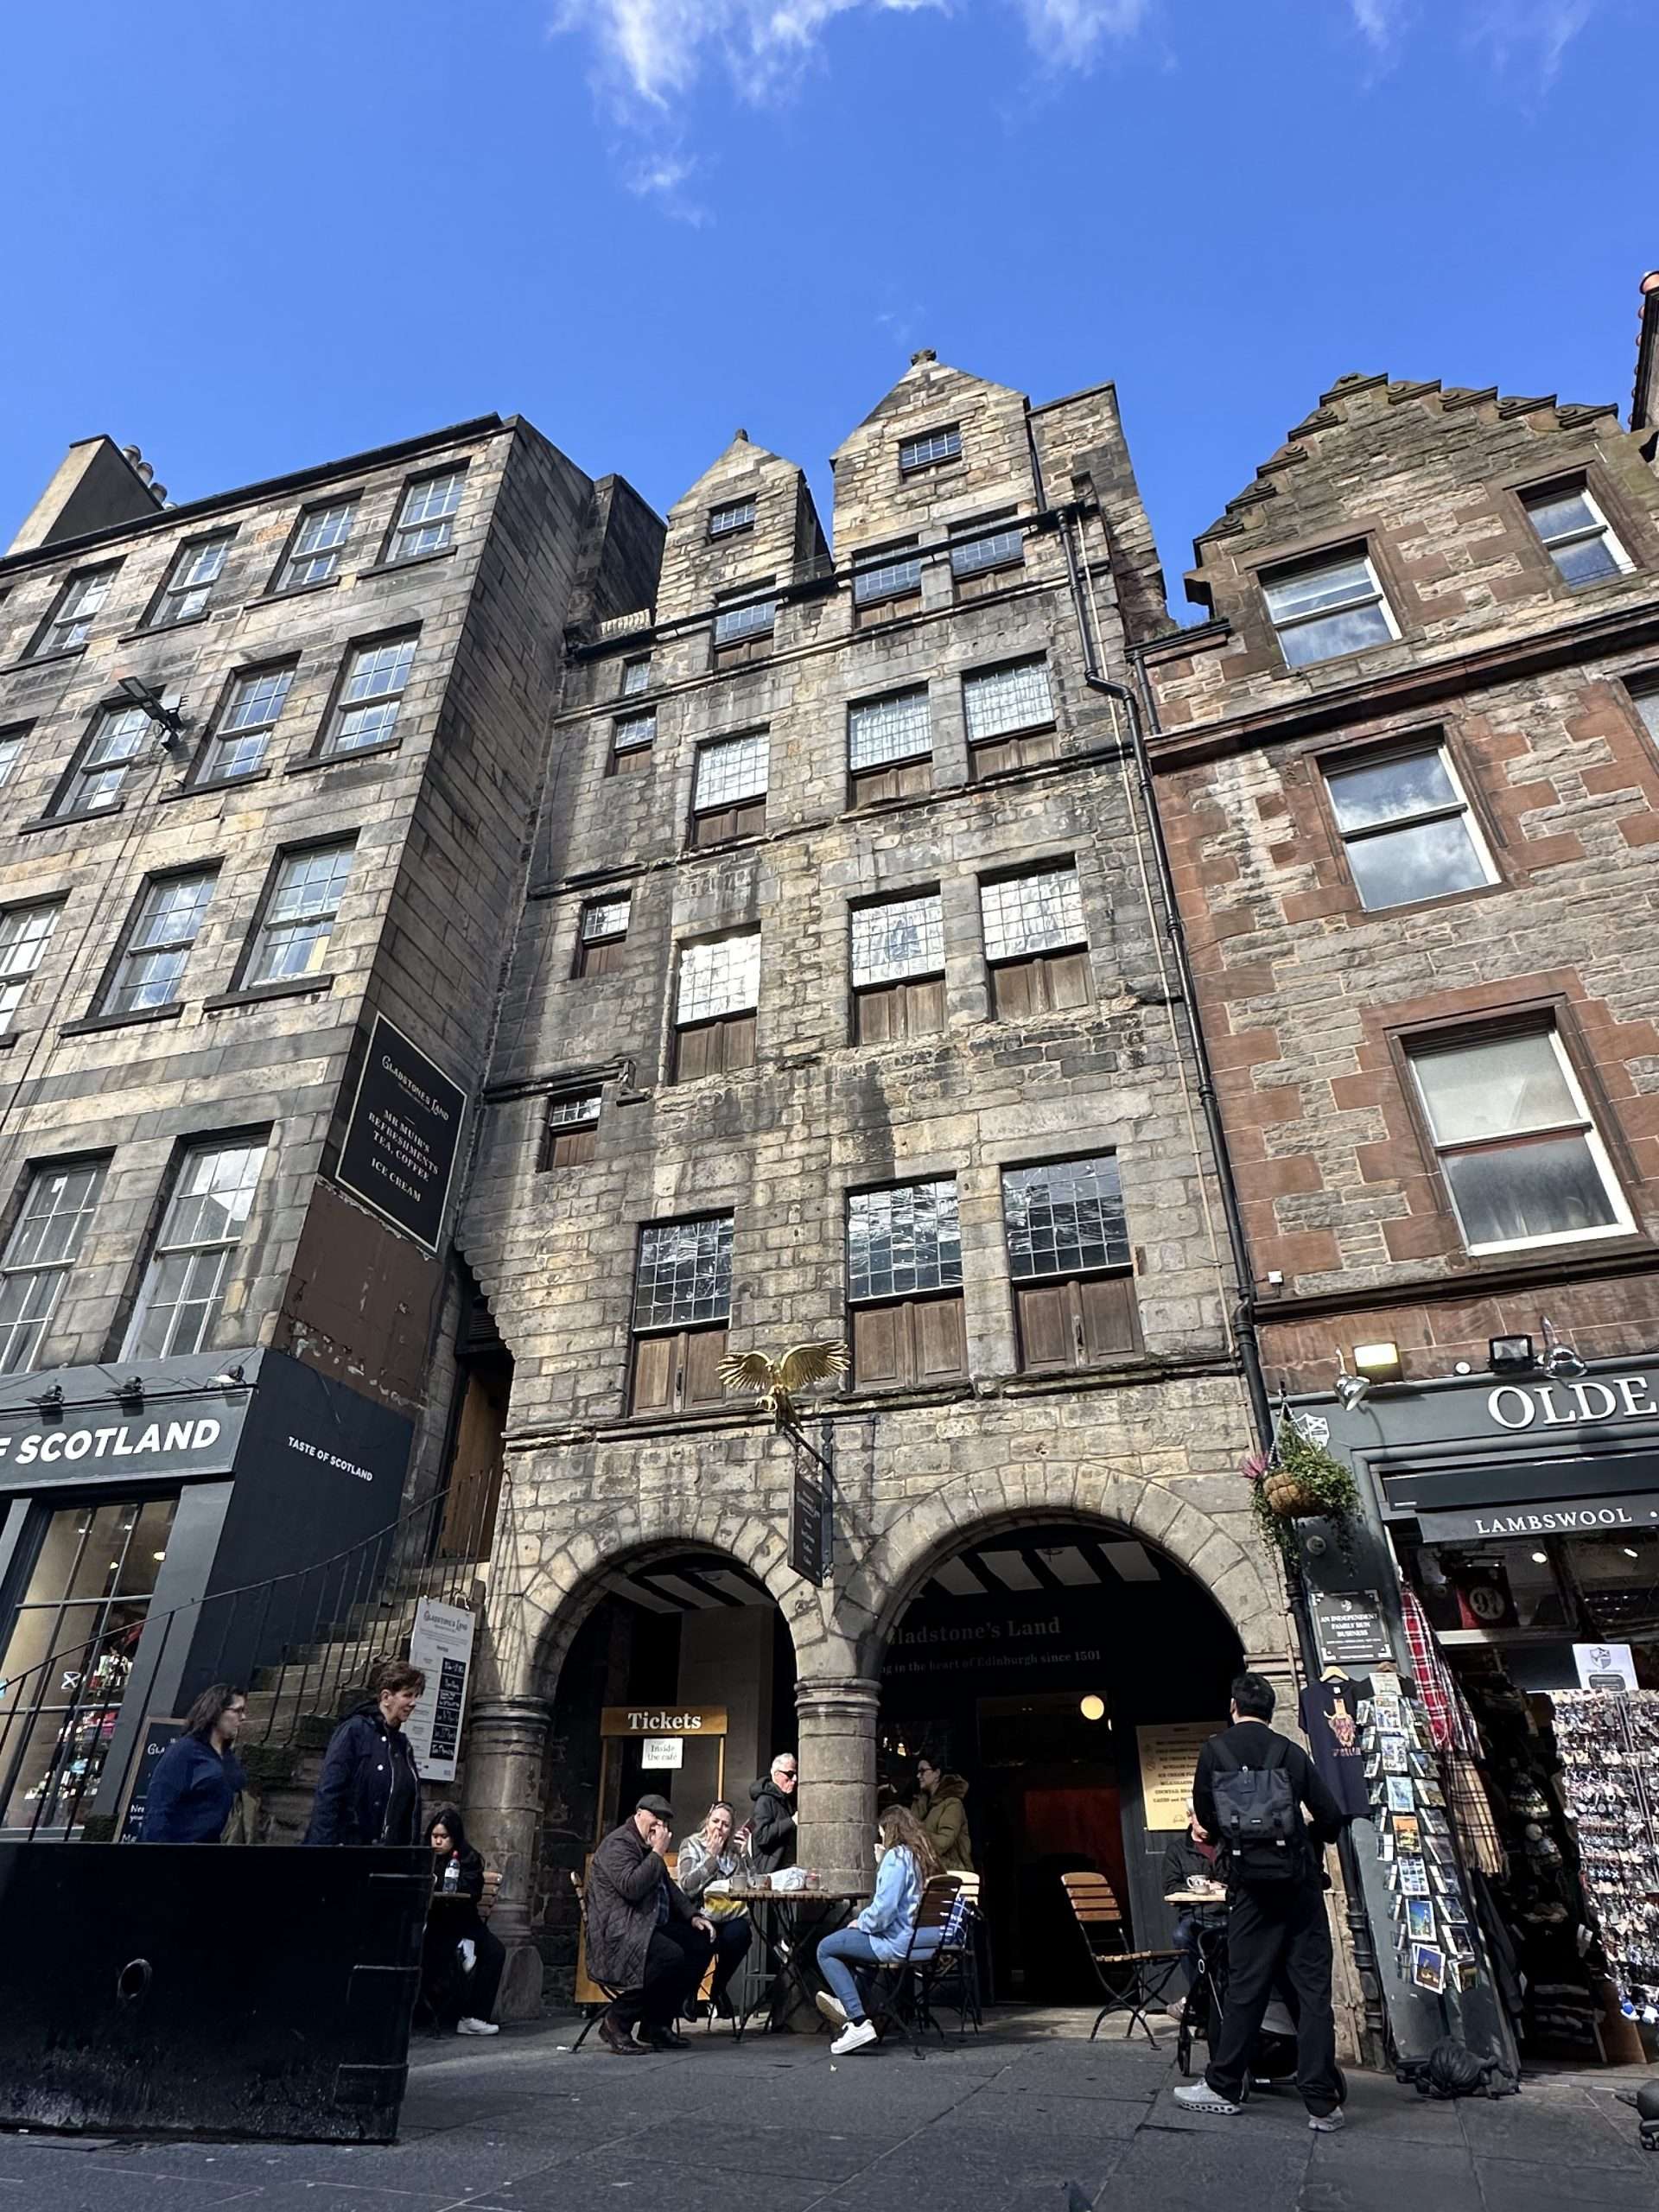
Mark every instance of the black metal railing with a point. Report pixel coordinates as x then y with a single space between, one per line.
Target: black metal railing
317 1631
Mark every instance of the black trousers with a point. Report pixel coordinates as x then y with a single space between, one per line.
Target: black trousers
451 1993
1269 1934
675 1964
733 1936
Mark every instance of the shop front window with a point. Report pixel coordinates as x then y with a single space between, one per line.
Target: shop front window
74 1640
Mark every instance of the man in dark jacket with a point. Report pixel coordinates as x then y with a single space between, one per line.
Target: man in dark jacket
644 1940
772 1824
370 1787
1275 1927
1192 1857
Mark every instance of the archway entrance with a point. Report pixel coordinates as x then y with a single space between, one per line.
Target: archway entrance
1065 1673
680 1679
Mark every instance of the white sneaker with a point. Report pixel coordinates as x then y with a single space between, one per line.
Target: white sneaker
832 2009
471 2027
1326 2123
1198 2096
857 2035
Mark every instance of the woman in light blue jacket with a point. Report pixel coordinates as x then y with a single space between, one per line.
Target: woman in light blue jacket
881 1934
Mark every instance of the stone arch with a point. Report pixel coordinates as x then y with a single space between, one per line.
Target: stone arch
570 1580
1242 1584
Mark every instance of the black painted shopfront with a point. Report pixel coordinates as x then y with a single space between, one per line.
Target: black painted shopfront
1518 1515
162 1526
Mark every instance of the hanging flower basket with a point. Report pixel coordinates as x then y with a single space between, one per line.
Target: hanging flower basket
1298 1480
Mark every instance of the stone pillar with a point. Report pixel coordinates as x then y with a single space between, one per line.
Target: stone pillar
837 1785
506 1740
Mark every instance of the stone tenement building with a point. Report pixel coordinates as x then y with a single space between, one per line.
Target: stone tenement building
267 762
840 1009
1410 768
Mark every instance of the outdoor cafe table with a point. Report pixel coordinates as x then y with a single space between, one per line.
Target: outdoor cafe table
780 1916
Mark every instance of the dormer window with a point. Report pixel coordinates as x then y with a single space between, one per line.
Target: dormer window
1324 608
889 584
743 629
727 521
928 450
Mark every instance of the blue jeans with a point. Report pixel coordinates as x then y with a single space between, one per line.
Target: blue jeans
837 1954
851 1947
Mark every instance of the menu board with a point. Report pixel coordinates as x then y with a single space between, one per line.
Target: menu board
1169 1758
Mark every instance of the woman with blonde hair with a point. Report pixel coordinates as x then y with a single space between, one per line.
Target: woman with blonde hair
881 1934
711 1860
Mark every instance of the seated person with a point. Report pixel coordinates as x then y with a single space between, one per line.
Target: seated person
460 1961
881 1934
715 1853
1191 1860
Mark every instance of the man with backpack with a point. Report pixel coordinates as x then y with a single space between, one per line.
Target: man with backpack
1249 1795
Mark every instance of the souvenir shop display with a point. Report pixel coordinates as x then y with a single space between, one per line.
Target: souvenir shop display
1432 1938
1609 1748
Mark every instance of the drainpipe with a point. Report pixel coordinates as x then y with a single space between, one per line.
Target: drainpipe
1175 933
1359 1928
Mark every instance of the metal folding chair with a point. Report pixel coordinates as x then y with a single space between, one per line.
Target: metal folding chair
917 1974
1129 1980
594 2012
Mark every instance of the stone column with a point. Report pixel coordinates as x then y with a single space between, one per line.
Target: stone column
837 1785
506 1740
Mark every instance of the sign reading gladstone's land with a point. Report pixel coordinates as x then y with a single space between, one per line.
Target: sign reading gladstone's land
400 1144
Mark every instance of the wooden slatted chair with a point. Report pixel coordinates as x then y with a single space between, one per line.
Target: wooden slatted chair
915 1975
1129 1980
594 2012
492 1891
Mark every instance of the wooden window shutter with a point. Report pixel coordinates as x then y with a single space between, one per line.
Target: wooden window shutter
704 1349
1111 1322
736 1042
877 1348
1046 1338
1016 990
876 1015
1066 977
654 1361
940 1339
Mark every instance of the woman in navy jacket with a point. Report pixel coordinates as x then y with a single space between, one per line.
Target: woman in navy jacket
199 1779
370 1787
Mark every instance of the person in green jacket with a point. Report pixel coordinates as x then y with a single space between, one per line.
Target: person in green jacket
940 1810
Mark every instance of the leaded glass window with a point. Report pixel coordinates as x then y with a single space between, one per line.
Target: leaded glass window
732 771
997 549
636 675
893 729
685 1273
998 699
932 446
720 976
901 1239
737 514
896 938
632 733
889 579
606 917
1064 1218
733 624
573 1113
1041 912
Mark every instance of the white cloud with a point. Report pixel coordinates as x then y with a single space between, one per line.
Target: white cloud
1379 22
654 51
1531 34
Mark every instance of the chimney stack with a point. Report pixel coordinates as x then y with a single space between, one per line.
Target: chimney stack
97 485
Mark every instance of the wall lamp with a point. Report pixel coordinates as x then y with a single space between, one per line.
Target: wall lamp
150 703
1350 1388
1378 1362
1510 1355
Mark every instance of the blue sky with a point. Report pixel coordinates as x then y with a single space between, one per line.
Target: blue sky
248 238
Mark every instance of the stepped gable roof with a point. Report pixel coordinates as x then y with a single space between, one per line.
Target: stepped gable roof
1545 415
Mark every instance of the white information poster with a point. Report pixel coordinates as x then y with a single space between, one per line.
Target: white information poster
1604 1666
441 1645
661 1752
1169 1756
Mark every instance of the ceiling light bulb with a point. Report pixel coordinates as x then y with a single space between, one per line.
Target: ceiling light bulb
1541 1559
1093 1707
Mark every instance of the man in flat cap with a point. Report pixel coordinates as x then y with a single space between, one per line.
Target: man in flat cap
644 1940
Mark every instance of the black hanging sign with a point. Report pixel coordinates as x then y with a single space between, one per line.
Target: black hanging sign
401 1142
1349 1630
809 1524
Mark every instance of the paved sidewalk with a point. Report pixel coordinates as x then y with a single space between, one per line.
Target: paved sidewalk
1015 2122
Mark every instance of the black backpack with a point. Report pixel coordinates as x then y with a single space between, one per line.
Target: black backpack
1256 1811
